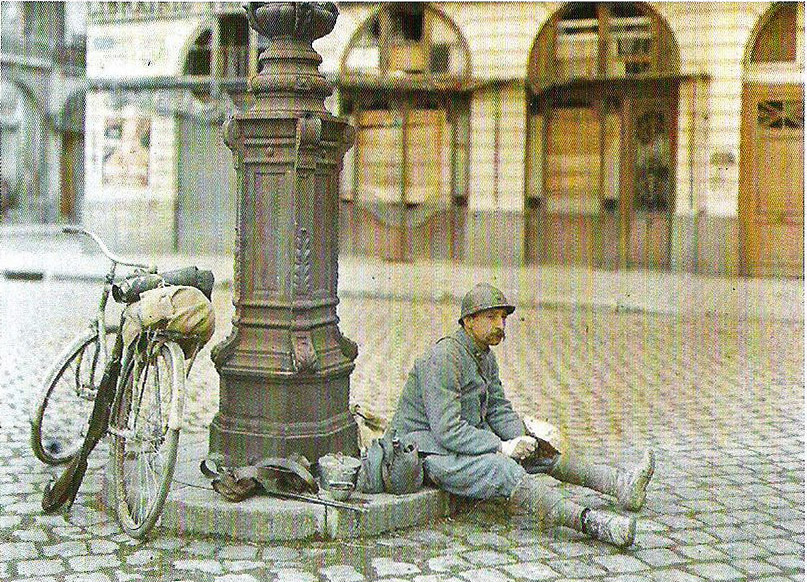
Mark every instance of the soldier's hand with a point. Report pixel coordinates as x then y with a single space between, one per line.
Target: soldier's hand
519 447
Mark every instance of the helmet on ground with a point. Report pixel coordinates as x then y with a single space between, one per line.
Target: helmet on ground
482 297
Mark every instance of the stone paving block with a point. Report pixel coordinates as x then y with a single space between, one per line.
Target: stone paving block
279 554
620 563
731 534
206 566
241 565
702 552
236 578
674 575
18 551
387 567
342 573
530 571
651 540
531 553
755 568
788 562
576 568
487 558
763 530
31 535
742 549
485 575
293 575
447 563
784 545
574 549
239 552
92 563
716 571
39 567
487 539
426 578
659 557
88 577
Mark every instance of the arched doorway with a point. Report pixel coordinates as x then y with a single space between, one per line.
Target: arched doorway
602 95
771 196
404 184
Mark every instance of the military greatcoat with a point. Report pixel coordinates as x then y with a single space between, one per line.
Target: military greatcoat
454 408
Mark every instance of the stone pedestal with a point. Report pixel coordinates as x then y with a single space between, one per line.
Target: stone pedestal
285 369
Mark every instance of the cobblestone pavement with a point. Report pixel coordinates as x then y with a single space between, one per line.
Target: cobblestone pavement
722 401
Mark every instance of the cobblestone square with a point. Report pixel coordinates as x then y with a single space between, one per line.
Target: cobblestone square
721 400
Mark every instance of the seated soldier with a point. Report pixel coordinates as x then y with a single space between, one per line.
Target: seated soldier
454 408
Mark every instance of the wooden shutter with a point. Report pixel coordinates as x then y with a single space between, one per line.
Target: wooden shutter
379 156
424 155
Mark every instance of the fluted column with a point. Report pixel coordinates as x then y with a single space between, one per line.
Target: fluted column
285 369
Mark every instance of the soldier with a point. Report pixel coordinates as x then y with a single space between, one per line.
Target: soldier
474 445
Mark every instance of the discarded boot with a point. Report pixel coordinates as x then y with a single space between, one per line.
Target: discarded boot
611 528
628 486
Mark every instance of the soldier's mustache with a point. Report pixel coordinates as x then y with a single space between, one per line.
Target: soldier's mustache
497 334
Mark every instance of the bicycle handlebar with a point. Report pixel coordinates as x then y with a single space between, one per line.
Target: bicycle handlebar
109 254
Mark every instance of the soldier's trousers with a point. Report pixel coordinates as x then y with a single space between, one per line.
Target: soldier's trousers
475 476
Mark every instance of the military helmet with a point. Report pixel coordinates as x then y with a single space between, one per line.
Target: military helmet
481 297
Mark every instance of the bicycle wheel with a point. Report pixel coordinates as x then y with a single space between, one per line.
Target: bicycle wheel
145 426
59 417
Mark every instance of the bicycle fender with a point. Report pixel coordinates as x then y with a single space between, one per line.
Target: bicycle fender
178 397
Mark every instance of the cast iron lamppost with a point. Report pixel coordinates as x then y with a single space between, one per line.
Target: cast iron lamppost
285 369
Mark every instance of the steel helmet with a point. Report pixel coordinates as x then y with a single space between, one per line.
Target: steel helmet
481 297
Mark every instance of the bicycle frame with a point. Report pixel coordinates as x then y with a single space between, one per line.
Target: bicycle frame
98 323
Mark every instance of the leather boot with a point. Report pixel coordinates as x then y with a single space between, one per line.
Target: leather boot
611 528
551 508
628 486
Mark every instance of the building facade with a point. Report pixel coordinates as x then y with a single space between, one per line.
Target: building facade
42 60
612 135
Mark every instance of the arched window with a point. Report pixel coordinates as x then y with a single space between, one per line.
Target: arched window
588 40
407 40
776 41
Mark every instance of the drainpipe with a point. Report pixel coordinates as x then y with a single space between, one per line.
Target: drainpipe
692 208
497 116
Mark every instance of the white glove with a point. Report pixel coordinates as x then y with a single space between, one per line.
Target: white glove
519 447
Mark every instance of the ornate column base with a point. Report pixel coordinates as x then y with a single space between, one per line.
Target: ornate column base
268 416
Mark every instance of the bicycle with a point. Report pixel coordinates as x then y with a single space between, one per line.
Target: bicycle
71 384
139 402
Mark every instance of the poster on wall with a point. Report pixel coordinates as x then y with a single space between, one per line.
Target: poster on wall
127 143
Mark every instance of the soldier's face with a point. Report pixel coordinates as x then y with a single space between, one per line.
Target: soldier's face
487 327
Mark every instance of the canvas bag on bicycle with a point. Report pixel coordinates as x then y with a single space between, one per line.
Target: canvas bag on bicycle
175 308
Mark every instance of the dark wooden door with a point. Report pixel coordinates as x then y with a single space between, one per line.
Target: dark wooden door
648 185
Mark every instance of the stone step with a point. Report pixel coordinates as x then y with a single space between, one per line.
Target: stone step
193 507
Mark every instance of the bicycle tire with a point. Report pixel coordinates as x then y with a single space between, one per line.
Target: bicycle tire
59 417
137 446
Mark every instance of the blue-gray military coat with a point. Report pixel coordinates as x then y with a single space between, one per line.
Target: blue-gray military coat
453 401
